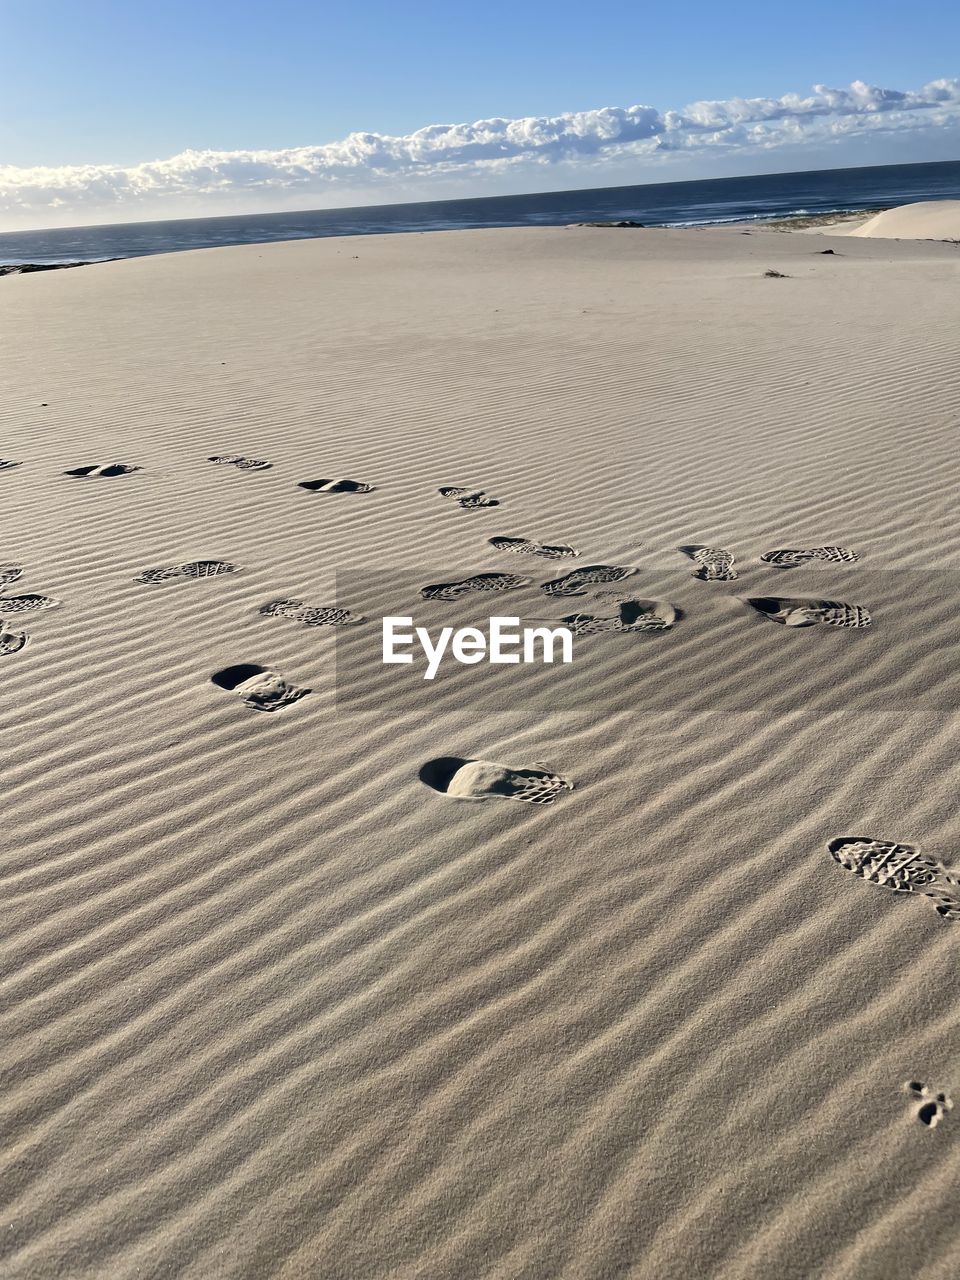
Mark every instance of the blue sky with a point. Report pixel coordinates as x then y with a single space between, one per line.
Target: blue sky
91 91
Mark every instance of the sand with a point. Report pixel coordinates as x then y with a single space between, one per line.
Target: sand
277 1005
926 220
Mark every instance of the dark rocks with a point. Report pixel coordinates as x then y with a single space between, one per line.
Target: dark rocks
24 268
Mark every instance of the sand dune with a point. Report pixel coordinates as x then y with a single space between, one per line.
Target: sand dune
276 1002
926 220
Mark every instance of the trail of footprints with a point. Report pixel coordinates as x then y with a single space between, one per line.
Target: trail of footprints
713 564
900 868
12 639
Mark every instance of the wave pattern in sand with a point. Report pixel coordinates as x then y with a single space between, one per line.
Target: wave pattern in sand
271 1006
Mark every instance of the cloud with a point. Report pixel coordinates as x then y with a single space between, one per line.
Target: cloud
374 164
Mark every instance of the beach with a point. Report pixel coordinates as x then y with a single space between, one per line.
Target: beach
274 1005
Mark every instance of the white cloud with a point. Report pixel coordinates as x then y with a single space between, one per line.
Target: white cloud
376 166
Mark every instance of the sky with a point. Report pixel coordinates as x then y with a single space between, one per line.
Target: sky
114 112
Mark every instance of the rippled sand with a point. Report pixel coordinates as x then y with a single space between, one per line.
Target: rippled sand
276 1005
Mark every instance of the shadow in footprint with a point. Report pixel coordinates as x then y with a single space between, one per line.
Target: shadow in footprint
11 641
467 779
20 604
335 486
934 1105
258 688
439 773
634 616
797 612
469 499
110 469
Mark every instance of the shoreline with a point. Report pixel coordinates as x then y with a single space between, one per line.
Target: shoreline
785 223
842 222
805 225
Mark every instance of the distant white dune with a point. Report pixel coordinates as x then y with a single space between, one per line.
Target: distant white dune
928 220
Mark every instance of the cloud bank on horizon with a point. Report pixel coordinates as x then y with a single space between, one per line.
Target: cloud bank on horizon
483 154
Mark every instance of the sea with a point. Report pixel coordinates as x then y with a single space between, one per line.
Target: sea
663 204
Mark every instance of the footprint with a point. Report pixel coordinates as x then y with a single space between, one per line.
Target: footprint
479 582
524 547
108 469
634 615
576 582
322 616
20 604
258 688
469 499
11 641
237 460
6 464
790 559
485 780
933 1105
794 612
193 569
335 486
713 563
900 867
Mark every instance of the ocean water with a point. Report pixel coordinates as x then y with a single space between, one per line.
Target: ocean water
714 200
